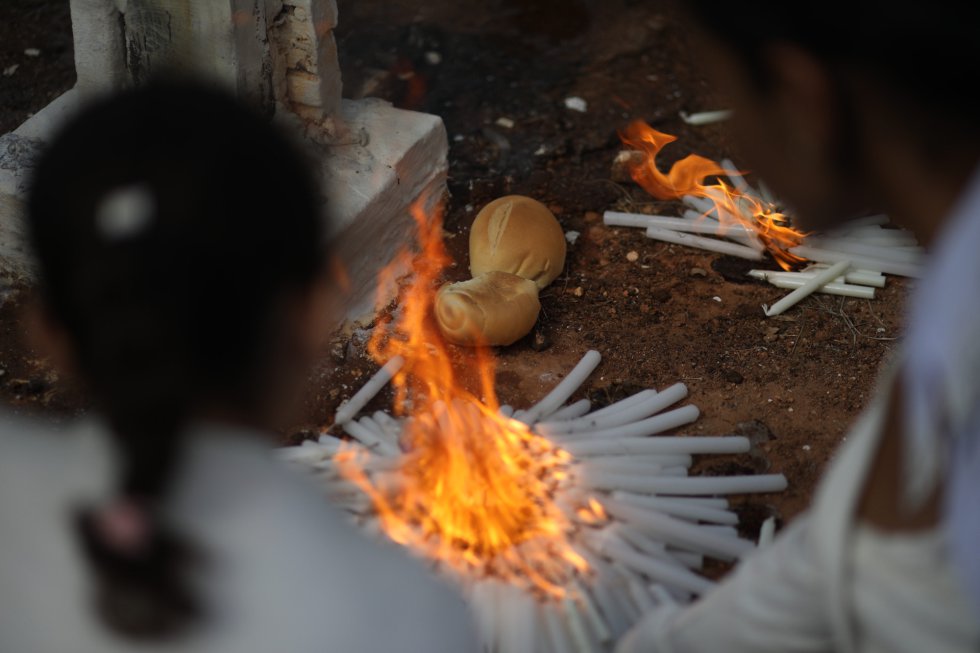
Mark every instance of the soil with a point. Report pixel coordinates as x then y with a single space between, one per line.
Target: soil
658 313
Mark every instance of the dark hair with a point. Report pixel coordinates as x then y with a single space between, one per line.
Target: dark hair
169 223
923 55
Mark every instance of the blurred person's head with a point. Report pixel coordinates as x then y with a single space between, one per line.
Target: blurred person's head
181 255
841 106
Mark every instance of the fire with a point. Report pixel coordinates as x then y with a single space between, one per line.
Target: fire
474 489
687 177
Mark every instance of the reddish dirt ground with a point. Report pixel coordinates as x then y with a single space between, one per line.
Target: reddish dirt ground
793 383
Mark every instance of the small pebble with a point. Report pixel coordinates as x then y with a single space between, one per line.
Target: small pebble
698 272
541 151
459 138
732 376
572 237
578 292
32 52
576 103
540 341
505 122
717 298
632 257
10 70
806 447
433 58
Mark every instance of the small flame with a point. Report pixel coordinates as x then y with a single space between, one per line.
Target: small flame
686 177
474 489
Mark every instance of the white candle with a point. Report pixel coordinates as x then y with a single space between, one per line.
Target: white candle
659 445
680 533
661 571
679 508
807 288
700 242
734 176
862 262
696 485
350 408
710 227
898 254
832 288
701 204
554 623
596 621
650 426
705 117
557 397
654 460
859 277
573 620
653 404
623 403
365 436
572 411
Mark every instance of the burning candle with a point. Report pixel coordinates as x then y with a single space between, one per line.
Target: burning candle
818 280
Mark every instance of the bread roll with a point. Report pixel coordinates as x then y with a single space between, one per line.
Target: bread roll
496 308
518 235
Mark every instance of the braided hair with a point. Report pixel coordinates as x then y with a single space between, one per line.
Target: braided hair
169 222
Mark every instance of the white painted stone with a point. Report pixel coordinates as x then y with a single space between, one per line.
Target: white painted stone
371 187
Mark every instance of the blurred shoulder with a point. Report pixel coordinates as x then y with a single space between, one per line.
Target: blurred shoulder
303 566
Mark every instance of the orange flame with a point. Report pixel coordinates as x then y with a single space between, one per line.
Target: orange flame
474 489
686 177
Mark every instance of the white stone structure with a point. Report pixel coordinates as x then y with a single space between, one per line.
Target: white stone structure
279 55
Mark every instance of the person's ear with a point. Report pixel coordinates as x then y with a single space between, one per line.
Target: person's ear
45 335
320 313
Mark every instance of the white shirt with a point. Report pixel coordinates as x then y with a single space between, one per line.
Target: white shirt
942 382
283 570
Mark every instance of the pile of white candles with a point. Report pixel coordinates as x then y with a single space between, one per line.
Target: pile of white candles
861 252
659 525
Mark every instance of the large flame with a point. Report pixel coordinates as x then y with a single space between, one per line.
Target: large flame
474 490
687 177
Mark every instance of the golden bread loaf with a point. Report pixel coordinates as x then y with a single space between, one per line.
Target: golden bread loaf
496 308
518 235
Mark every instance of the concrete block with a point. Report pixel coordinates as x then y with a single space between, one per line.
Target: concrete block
305 57
371 186
370 182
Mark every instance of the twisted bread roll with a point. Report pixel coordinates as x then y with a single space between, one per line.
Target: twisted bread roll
518 235
496 308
